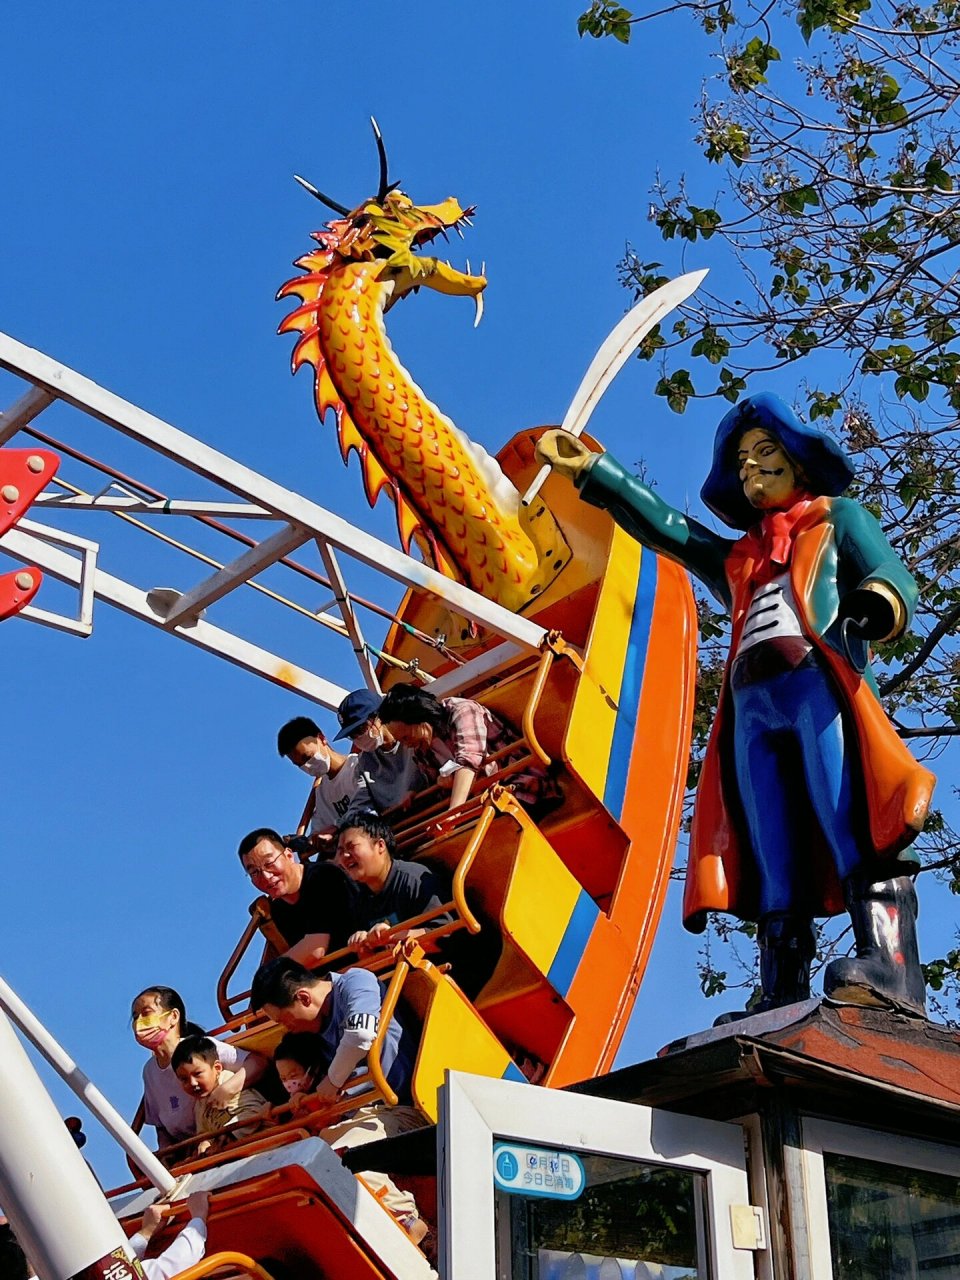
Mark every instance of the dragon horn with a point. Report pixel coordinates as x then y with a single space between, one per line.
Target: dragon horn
385 185
331 204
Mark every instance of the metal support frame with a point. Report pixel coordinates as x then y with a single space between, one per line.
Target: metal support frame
31 550
24 411
142 506
82 625
342 597
245 567
253 497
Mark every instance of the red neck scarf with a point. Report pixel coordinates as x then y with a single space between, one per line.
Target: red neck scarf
771 542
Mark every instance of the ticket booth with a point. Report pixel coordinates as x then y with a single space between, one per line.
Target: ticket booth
549 1185
811 1144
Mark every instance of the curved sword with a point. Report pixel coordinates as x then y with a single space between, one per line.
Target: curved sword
610 359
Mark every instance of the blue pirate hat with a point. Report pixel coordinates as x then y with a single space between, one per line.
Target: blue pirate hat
825 466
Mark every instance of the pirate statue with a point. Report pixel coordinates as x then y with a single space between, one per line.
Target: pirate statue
807 798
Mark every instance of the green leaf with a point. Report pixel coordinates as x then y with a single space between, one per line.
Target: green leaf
677 390
710 345
605 18
747 67
731 387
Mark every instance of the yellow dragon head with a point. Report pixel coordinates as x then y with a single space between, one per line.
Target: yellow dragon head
390 228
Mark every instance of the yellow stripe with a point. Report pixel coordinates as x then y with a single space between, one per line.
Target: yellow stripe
454 1038
594 712
540 899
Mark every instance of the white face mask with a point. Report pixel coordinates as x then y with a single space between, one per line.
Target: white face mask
317 766
368 741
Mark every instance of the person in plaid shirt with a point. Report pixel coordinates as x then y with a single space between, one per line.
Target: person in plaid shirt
455 738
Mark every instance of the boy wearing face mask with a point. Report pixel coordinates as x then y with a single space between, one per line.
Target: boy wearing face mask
388 768
338 787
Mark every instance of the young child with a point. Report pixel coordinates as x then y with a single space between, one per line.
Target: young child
200 1072
300 1062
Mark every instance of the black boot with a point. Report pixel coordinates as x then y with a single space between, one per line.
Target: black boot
885 973
787 945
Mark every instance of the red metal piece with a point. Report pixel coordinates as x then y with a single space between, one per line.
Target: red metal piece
23 474
18 589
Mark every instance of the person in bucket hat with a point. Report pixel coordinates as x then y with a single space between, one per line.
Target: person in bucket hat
807 797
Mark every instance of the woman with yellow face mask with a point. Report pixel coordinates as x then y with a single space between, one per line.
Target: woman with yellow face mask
159 1021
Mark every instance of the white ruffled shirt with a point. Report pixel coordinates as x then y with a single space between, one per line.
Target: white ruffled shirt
185 1251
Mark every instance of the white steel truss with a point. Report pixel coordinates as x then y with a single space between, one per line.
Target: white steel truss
292 522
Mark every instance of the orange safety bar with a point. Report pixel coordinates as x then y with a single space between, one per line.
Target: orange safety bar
217 1261
239 951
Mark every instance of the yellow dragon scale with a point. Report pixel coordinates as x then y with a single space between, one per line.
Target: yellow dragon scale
442 483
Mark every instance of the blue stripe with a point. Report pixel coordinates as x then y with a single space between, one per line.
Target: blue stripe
572 944
513 1072
628 705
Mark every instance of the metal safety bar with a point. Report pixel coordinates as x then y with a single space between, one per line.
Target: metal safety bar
228 1258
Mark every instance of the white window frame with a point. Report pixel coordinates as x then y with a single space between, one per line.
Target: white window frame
828 1136
475 1110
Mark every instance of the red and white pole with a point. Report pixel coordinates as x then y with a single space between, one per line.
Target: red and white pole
57 1211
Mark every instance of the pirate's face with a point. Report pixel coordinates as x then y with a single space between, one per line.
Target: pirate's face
768 476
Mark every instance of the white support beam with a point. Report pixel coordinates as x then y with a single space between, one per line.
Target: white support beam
82 624
25 410
245 567
158 435
352 623
31 550
485 665
151 507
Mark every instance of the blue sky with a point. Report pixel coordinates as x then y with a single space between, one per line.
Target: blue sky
149 217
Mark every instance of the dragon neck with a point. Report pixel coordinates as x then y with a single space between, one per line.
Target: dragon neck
375 381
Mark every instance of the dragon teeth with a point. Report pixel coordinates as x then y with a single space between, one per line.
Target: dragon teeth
478 302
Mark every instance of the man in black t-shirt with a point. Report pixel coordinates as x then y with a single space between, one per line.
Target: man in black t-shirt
388 891
313 905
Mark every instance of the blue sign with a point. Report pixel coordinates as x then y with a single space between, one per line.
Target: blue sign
536 1171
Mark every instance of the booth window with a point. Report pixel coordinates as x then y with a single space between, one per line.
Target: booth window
891 1223
631 1221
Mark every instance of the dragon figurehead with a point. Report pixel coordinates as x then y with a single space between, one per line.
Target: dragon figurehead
452 498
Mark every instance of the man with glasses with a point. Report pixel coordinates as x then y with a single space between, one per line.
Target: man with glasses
313 905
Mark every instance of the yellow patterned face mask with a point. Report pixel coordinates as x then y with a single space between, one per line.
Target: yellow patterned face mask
149 1029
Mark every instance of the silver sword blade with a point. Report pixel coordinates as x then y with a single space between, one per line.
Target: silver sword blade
622 341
